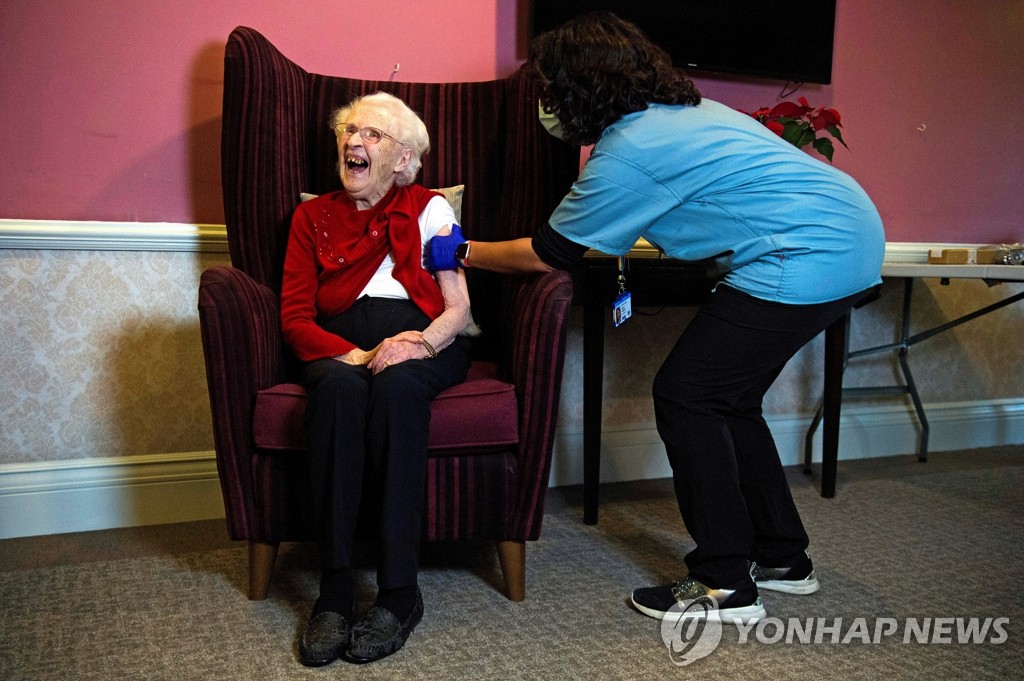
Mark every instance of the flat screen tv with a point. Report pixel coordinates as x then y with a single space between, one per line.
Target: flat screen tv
776 39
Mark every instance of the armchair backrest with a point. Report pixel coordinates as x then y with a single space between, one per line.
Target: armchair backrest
277 143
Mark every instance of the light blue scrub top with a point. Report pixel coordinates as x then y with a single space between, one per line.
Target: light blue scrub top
707 182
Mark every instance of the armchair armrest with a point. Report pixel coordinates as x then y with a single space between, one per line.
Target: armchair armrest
541 315
240 328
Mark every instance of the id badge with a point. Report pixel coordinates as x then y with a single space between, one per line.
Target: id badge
622 308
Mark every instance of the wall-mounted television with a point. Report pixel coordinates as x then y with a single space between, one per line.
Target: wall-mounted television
776 39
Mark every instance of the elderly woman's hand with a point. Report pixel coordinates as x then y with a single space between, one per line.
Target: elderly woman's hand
406 345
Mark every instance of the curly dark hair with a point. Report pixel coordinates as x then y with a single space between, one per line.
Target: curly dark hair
596 68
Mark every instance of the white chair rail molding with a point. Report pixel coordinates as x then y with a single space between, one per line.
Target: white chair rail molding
105 419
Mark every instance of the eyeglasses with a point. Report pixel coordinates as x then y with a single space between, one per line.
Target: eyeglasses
368 134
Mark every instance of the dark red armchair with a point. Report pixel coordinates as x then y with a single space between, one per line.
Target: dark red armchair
491 437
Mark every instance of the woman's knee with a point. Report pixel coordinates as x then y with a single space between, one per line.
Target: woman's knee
333 380
671 389
686 403
402 387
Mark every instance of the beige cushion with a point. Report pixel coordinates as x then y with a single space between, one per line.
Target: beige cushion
454 197
451 194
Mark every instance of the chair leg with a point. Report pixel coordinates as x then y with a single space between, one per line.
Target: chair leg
512 556
261 566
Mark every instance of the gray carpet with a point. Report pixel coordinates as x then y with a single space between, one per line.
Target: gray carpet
900 540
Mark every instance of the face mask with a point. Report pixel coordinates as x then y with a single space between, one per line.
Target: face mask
550 122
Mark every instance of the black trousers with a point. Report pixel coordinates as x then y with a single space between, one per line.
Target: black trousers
368 439
729 482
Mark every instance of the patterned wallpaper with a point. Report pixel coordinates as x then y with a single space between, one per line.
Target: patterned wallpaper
979 360
100 355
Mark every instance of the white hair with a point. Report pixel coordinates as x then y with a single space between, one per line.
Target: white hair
408 128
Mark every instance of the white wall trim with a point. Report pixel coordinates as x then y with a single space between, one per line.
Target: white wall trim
171 236
112 236
909 252
55 497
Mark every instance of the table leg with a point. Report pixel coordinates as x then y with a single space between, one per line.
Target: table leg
593 385
835 351
908 377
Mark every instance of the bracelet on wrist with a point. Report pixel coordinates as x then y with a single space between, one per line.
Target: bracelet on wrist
431 352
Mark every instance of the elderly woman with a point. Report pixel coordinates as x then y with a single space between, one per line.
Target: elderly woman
380 339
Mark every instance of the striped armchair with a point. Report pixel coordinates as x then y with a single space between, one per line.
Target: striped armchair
491 437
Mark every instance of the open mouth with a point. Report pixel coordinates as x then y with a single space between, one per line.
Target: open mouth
356 164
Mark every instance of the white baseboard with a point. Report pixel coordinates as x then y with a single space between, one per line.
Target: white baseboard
94 494
865 432
55 497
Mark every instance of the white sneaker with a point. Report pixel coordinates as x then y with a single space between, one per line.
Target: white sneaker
741 604
797 579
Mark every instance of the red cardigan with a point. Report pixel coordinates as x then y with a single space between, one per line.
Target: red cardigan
333 251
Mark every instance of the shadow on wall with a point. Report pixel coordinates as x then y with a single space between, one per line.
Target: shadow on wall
969 363
159 402
972 362
160 410
205 99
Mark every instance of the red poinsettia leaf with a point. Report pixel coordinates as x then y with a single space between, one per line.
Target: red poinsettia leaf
789 110
817 122
833 116
803 102
823 118
775 127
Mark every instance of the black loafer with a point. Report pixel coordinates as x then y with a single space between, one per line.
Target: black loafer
379 633
326 638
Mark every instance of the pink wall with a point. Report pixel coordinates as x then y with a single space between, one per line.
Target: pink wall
111 107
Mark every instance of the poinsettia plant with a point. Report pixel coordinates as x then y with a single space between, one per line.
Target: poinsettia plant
799 124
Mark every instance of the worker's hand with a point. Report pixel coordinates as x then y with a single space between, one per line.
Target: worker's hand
358 356
440 253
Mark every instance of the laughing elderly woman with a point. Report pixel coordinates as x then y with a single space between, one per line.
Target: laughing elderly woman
380 338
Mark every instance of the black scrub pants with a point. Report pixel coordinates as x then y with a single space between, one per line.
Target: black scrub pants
729 482
368 439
